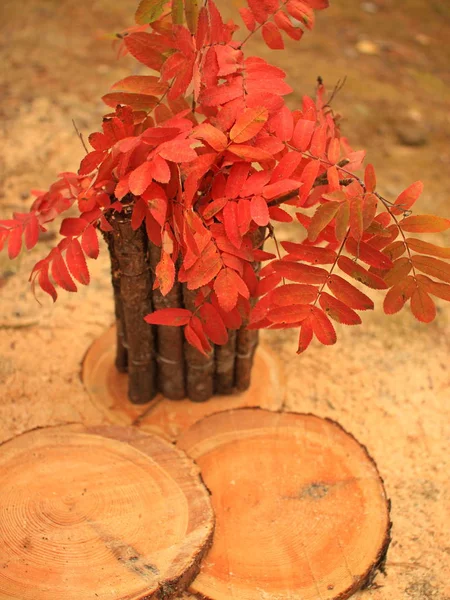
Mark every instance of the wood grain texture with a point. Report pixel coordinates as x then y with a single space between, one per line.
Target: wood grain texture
301 511
107 513
108 391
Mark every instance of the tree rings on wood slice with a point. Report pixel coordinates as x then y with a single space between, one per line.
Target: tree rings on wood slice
168 418
300 508
105 513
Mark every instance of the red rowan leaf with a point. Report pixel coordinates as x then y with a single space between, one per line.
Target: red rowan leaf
213 324
282 124
422 306
136 101
90 162
324 214
205 268
72 226
318 141
279 188
356 217
217 95
395 250
369 255
178 151
236 179
141 45
99 141
61 274
322 327
347 293
286 167
230 220
305 335
244 216
255 183
401 268
337 310
370 180
441 290
77 263
407 198
289 314
432 266
285 24
272 36
173 317
259 211
398 295
214 207
89 242
426 248
310 253
267 284
250 153
259 10
360 274
303 132
249 124
159 169
45 283
278 214
193 334
211 135
369 209
342 221
141 84
308 178
232 319
165 273
262 255
140 178
15 242
227 285
425 224
334 150
386 237
300 273
293 293
248 18
31 232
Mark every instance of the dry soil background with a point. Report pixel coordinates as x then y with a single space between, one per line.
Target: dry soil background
388 382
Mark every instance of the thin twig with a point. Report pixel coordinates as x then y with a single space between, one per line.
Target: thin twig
80 135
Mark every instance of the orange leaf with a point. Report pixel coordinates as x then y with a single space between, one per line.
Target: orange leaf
310 253
324 214
250 153
370 180
399 271
369 210
360 274
210 134
425 224
395 250
398 295
369 255
293 293
441 290
423 306
165 273
305 335
427 248
432 266
249 124
300 273
407 198
323 327
289 314
350 295
338 311
141 84
356 217
204 269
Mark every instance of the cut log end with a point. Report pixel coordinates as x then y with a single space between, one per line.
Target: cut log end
300 507
105 512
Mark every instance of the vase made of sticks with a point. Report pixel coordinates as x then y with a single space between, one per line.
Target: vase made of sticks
157 358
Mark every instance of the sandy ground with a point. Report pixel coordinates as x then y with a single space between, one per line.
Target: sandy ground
387 382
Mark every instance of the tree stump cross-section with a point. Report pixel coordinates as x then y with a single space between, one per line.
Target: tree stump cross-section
300 508
106 513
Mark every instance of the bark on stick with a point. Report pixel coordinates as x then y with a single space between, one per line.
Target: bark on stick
225 365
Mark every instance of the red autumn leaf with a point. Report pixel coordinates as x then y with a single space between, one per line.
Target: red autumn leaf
213 324
422 305
259 211
293 293
249 124
308 178
140 178
90 162
360 274
15 242
337 310
441 290
425 224
426 248
303 132
370 180
141 84
400 269
267 284
45 283
398 295
61 274
89 242
369 209
289 314
221 94
250 153
305 336
195 335
278 214
324 214
369 255
280 188
322 327
309 253
349 294
407 198
77 262
210 134
300 273
432 266
236 179
72 226
169 316
272 36
285 24
178 151
141 45
248 18
227 285
165 273
205 268
136 101
395 250
230 220
356 217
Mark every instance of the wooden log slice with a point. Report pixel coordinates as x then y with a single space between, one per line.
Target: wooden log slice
107 514
108 391
301 512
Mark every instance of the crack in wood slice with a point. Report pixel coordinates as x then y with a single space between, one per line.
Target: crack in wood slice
108 391
106 513
300 507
